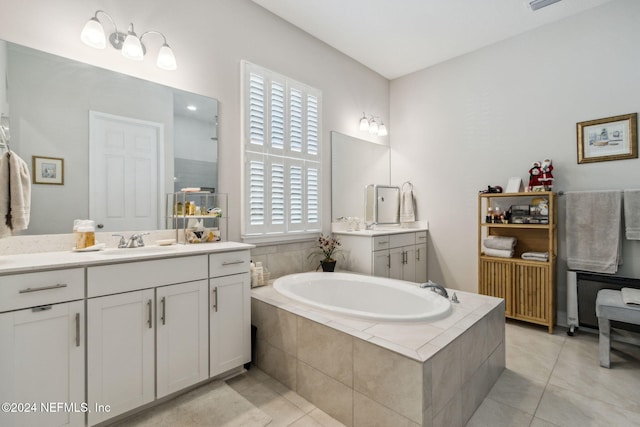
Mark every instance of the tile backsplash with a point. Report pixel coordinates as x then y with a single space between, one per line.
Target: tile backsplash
288 258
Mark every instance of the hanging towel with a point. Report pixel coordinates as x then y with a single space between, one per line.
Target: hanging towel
500 253
593 226
500 242
630 295
407 203
632 214
15 194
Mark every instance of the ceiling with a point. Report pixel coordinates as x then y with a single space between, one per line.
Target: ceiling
398 37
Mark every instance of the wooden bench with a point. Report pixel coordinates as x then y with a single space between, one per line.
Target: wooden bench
609 306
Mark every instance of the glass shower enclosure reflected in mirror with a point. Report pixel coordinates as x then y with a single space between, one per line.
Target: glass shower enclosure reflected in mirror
382 204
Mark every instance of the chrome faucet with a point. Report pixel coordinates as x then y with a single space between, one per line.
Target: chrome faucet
135 241
435 288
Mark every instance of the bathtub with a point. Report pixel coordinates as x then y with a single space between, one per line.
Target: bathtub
367 297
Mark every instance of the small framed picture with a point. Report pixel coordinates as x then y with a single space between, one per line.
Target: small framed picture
48 170
612 138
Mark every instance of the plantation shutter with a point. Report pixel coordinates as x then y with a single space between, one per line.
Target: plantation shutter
282 162
313 196
256 109
256 193
278 103
312 125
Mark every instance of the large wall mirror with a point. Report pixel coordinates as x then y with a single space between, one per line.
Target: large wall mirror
355 163
124 142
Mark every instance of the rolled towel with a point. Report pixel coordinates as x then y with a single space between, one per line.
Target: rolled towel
500 253
536 256
500 242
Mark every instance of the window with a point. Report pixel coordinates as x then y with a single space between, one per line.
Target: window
282 156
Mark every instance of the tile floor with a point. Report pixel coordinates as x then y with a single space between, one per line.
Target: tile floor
550 380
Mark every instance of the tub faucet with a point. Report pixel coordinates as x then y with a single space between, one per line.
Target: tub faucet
435 288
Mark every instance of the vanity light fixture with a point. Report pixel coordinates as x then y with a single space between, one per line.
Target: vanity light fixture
129 44
369 124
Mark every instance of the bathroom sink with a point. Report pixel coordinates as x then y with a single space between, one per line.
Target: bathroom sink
140 251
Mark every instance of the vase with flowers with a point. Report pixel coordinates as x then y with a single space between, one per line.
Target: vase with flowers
328 246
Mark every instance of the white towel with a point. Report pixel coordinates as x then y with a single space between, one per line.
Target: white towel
500 242
630 296
632 214
500 253
14 172
407 211
593 226
535 256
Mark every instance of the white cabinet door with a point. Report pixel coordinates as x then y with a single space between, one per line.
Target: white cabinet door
182 336
42 361
421 263
120 356
381 263
230 322
403 263
409 265
396 262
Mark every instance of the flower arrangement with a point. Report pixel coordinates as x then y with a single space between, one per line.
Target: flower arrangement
328 246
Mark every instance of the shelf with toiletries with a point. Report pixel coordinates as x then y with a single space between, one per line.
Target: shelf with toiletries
517 260
198 216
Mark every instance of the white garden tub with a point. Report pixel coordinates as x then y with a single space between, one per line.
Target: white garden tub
368 297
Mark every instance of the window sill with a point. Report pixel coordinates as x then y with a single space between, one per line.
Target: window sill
274 239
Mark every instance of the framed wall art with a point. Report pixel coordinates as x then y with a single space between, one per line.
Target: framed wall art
612 138
47 170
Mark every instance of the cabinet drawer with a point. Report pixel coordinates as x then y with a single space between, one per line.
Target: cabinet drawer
380 242
421 237
226 263
132 276
404 239
48 287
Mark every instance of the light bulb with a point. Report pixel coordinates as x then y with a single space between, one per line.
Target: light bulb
166 59
373 127
364 123
93 34
132 48
382 130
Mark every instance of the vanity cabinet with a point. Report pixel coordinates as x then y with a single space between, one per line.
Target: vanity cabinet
42 351
397 255
230 311
149 318
152 327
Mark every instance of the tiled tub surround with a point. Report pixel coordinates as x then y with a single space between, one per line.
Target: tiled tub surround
383 374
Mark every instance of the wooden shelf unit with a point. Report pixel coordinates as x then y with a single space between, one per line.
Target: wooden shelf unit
528 287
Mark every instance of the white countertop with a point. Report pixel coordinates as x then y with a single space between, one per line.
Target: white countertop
380 231
25 263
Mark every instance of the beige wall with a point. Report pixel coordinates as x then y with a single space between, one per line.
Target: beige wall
484 117
209 38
